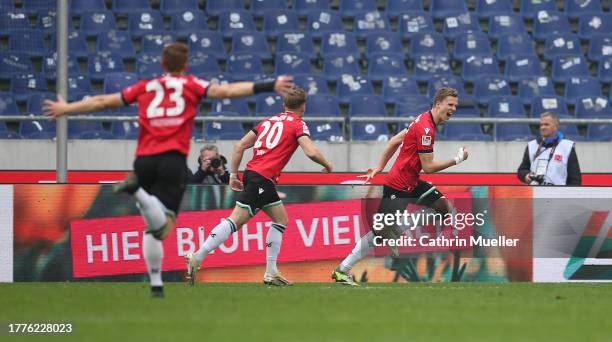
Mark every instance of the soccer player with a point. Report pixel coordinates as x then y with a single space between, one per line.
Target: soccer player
167 107
402 183
274 141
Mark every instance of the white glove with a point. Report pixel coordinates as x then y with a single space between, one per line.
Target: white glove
460 156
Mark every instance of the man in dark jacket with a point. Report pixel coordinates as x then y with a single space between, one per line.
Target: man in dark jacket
211 167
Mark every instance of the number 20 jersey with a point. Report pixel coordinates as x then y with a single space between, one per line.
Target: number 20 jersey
277 140
167 107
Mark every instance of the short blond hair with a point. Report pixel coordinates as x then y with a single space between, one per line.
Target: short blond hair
295 99
443 93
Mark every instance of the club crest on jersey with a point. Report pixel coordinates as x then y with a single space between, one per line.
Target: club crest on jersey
426 140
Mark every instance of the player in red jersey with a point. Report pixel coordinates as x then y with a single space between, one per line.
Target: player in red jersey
402 183
274 141
167 108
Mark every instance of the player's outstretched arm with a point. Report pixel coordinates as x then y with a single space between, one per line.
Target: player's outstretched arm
282 85
313 153
389 151
244 144
96 103
430 166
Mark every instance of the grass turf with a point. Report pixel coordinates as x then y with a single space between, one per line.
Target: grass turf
315 312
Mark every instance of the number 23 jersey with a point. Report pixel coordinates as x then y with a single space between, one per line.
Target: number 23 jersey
277 140
167 107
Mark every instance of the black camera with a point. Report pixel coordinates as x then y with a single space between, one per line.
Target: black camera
536 179
215 162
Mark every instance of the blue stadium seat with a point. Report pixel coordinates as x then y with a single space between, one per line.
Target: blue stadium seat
322 104
216 7
592 107
530 87
296 42
171 7
145 22
46 22
504 24
519 67
155 43
600 46
427 44
94 23
305 7
382 66
115 82
312 84
38 129
395 89
131 6
441 9
592 24
13 20
451 81
77 44
280 21
370 22
455 26
268 104
506 106
412 105
395 8
35 102
14 63
349 86
571 132
531 8
427 66
33 6
223 130
604 71
577 87
367 105
49 65
576 8
490 8
208 42
475 67
86 130
471 44
384 42
514 45
235 21
548 23
244 64
325 131
102 134
78 83
25 84
28 41
336 66
125 130
336 43
487 87
561 44
240 106
118 42
254 43
81 6
102 63
6 134
288 63
8 104
370 132
599 132
413 23
260 7
512 132
565 67
148 66
319 23
465 132
6 5
203 64
351 8
467 111
556 104
185 23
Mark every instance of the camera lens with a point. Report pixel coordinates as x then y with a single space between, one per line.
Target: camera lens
215 163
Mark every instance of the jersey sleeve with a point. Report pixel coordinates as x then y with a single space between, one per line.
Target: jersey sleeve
200 87
130 94
257 128
301 129
424 139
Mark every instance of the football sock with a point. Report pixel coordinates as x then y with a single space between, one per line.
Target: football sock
274 239
151 209
217 236
361 250
153 253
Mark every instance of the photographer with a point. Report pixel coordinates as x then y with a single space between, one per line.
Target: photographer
550 160
211 167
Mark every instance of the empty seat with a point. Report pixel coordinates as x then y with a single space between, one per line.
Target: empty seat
335 43
388 43
577 87
352 8
367 105
6 5
519 67
455 26
14 63
427 66
471 44
604 71
504 24
395 8
78 82
413 23
145 22
103 63
489 8
561 44
382 66
155 43
223 130
530 87
412 105
548 23
37 129
325 131
94 23
395 89
28 41
371 22
148 66
77 44
172 7
349 86
322 105
25 84
8 104
125 130
216 7
312 84
514 45
449 81
592 24
254 43
305 7
36 101
576 8
600 46
336 66
555 104
530 9
506 106
117 81
87 130
235 21
131 6
82 6
185 23
487 87
599 132
118 42
210 43
427 44
319 23
292 63
33 6
46 22
269 104
592 107
370 132
13 20
467 111
475 67
261 7
240 106
49 65
296 42
465 132
203 64
571 132
244 64
280 21
512 132
566 67
441 9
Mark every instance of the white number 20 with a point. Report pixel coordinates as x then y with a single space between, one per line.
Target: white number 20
273 135
154 110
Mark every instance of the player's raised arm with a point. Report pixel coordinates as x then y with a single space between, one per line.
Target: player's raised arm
95 103
244 144
390 149
430 166
313 153
282 85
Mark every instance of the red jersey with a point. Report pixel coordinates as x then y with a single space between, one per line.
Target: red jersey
277 139
419 138
167 107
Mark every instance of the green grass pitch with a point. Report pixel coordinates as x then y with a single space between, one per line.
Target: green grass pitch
315 312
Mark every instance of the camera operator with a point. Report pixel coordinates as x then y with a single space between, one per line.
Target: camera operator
552 159
211 167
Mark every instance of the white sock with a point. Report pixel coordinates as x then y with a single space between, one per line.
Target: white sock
274 240
153 253
151 209
361 250
217 236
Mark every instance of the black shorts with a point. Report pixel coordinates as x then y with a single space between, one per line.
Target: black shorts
164 176
259 193
424 194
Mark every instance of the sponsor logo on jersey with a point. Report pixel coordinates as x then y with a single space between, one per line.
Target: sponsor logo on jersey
426 140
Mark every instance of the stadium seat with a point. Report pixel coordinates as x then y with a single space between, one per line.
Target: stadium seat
319 23
512 132
185 23
117 81
118 42
575 8
254 43
349 86
145 22
413 23
244 64
367 105
475 67
530 9
239 106
561 44
82 6
471 44
467 111
77 44
395 89
208 42
125 130
268 104
14 63
325 131
312 84
487 87
465 132
288 63
542 104
388 43
46 22
235 21
370 132
395 8
604 71
37 129
6 5
441 9
352 8
49 65
566 67
593 107
280 21
13 20
155 43
382 66
8 104
260 7
25 84
131 6
514 45
148 66
370 22
322 104
599 132
577 87
78 82
489 8
451 81
519 67
33 6
223 130
463 23
427 44
94 23
571 132
548 23
412 105
427 66
305 7
296 42
171 7
34 102
216 7
102 63
506 106
339 43
102 134
504 24
28 41
203 64
590 25
600 46
6 134
530 87
87 130
336 66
